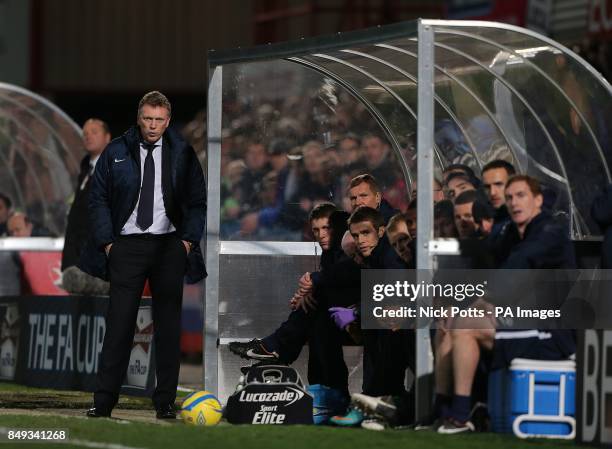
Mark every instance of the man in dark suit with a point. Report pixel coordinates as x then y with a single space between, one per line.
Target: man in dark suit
96 135
147 208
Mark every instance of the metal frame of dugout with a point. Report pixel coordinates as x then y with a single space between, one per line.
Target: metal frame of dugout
503 89
40 156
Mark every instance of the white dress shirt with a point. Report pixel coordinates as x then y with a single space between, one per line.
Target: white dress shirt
93 162
161 223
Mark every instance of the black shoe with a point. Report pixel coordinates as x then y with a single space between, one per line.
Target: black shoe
165 412
253 350
479 416
97 412
429 423
452 426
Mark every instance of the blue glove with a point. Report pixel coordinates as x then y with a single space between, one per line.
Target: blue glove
342 316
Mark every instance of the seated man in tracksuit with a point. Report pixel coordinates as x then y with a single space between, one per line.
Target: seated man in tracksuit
533 241
495 175
337 284
386 353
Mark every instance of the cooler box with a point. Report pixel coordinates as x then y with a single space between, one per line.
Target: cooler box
534 398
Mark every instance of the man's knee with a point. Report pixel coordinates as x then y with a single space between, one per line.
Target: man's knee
483 337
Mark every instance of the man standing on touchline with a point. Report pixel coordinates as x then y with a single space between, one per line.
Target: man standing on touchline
147 208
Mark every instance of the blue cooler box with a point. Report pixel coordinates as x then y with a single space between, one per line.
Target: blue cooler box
534 398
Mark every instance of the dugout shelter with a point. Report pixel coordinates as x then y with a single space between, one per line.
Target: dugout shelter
441 92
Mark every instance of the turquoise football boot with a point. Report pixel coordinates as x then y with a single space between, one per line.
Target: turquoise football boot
327 402
353 418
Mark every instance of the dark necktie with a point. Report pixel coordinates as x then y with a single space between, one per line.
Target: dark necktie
144 218
87 176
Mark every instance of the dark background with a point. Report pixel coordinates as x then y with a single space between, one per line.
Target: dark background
97 58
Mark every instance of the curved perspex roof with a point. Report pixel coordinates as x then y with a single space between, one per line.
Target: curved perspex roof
40 150
500 92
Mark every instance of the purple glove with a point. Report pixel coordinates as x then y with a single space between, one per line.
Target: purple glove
342 316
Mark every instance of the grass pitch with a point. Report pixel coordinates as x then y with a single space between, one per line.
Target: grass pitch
130 434
30 408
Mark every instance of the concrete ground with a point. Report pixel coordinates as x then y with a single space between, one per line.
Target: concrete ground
118 414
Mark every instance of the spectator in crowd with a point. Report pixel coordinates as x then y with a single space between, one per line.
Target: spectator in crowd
473 246
315 184
280 218
251 185
457 168
474 220
438 191
96 135
5 210
464 219
318 180
350 154
411 218
495 175
484 216
10 265
378 160
19 225
444 220
401 239
364 190
231 197
380 163
278 151
533 241
457 183
257 165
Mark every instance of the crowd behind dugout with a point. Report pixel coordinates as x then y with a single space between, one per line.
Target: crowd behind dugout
502 220
279 159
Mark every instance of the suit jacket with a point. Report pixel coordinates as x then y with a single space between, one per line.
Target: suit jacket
77 228
115 189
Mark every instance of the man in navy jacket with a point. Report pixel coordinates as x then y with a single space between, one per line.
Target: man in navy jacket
147 209
533 241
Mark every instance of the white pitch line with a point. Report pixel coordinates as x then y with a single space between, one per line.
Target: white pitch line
97 445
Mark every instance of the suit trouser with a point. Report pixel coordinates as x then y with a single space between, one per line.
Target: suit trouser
291 336
326 364
386 355
132 260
